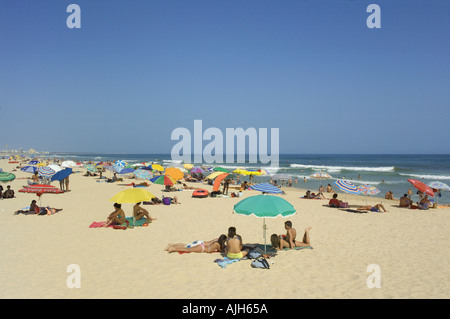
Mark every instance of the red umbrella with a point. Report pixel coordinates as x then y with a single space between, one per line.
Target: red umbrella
40 189
421 186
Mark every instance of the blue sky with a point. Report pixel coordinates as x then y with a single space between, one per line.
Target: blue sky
137 70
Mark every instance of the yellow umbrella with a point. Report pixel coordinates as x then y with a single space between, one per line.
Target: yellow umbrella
175 173
157 167
188 166
40 164
214 175
132 196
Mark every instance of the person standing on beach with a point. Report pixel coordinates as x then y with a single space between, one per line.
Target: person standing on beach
66 180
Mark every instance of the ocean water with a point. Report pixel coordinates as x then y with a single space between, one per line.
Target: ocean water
385 172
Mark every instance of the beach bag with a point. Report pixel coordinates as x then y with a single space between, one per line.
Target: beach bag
343 205
166 201
253 255
260 262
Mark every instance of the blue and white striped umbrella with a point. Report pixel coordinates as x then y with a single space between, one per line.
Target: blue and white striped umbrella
33 162
438 185
266 188
346 186
45 171
121 163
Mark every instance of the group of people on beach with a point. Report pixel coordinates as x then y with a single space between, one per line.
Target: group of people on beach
232 244
117 217
8 193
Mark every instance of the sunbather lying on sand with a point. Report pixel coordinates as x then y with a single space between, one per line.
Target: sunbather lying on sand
200 246
279 241
377 208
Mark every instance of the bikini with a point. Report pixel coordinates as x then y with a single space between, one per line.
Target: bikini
234 255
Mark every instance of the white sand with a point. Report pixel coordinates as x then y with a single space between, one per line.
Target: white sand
410 247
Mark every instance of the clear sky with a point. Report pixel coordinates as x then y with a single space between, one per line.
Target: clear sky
137 70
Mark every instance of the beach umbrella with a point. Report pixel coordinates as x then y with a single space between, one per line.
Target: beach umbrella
421 186
40 164
214 175
55 167
175 173
132 196
197 169
7 177
62 174
126 170
90 168
281 176
266 188
40 189
320 175
264 206
163 180
368 190
33 162
346 186
188 166
157 167
220 178
45 171
439 186
29 169
120 163
68 164
220 169
142 174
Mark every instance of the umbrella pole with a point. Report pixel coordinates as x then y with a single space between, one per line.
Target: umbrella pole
264 233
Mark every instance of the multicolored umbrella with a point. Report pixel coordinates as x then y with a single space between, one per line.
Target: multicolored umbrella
163 180
320 175
346 186
421 186
45 171
263 206
142 174
197 169
266 188
368 189
438 185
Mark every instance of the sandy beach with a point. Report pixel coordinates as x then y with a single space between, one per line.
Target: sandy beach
409 246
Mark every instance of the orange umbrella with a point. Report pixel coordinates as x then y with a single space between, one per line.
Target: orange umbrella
175 173
220 178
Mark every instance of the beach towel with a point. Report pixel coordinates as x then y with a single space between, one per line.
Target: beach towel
354 211
139 223
225 262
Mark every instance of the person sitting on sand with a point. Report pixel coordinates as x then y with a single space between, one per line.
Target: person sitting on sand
389 195
117 217
200 246
279 241
405 201
139 212
234 245
310 195
34 178
329 189
378 208
334 202
9 193
291 234
424 203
